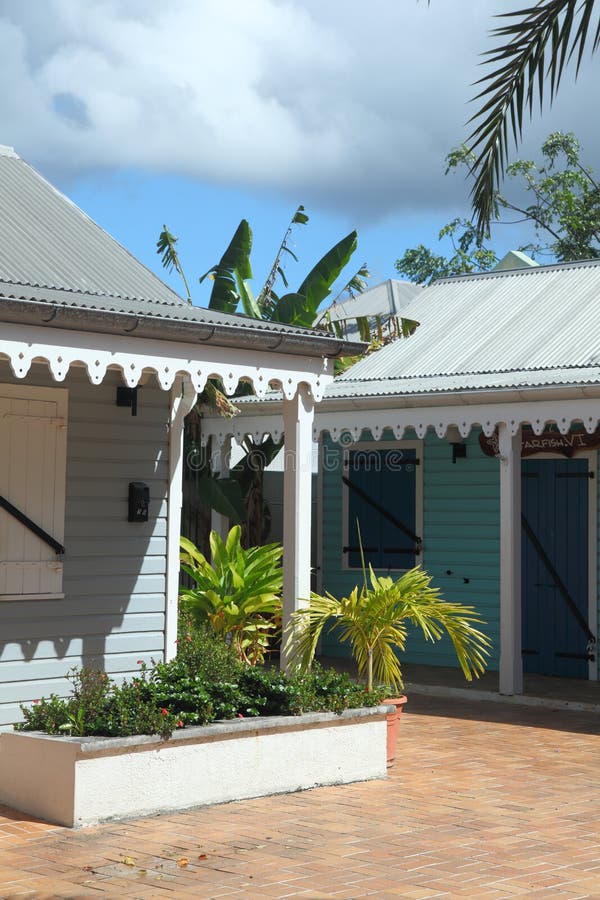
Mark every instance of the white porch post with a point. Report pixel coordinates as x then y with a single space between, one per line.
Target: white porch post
218 522
297 483
183 397
511 665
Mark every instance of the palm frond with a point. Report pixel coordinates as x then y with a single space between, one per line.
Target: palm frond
536 44
166 247
373 620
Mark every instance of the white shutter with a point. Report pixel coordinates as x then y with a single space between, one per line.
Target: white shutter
33 451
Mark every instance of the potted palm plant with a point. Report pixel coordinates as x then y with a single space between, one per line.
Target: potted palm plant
374 620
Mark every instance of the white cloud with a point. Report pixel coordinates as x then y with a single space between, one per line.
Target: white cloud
346 104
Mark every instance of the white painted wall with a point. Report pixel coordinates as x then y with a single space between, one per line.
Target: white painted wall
113 609
79 782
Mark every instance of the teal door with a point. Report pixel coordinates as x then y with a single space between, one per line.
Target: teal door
555 551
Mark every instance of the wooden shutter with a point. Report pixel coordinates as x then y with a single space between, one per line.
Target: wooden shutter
33 425
382 480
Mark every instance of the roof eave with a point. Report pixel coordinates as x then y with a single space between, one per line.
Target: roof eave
28 312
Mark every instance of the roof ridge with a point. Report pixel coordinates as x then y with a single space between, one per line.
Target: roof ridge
521 270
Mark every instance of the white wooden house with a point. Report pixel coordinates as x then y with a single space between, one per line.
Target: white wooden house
90 474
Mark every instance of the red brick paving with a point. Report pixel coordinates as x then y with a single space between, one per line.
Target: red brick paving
485 802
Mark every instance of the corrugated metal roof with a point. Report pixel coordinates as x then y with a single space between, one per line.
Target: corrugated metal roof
181 312
47 241
53 253
526 326
386 299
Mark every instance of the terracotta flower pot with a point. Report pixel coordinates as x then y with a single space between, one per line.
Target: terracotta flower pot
393 722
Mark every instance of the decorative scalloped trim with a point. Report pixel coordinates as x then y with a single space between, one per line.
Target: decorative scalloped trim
134 357
347 427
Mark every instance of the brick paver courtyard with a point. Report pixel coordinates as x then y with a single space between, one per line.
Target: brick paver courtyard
485 801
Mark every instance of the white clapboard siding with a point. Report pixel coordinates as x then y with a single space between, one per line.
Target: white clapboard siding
112 613
33 422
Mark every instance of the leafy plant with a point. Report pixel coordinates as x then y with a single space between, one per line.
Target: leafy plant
274 693
204 682
374 619
238 594
97 706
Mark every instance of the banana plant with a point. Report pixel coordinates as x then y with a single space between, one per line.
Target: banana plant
232 292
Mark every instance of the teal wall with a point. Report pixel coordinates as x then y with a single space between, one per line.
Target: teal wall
461 534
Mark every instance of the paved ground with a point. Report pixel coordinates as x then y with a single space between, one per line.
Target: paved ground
485 801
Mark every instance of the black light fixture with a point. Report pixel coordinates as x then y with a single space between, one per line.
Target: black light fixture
127 396
456 441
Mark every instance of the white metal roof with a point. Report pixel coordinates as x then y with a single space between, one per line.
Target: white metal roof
47 241
386 299
526 326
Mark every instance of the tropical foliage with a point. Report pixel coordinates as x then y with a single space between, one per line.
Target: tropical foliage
535 43
240 495
238 595
204 682
562 206
231 289
374 620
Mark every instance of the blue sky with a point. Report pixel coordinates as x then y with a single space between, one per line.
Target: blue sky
203 112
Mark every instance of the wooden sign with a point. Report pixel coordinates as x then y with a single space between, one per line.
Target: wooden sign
549 441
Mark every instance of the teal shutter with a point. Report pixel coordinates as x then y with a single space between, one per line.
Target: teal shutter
380 482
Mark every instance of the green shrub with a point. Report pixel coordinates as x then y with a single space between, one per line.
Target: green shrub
272 693
203 683
99 707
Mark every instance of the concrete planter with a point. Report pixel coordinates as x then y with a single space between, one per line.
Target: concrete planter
83 781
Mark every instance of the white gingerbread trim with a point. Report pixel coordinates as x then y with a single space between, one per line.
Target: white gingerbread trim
348 426
61 349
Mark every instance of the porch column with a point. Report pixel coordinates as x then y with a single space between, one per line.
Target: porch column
222 458
183 397
297 483
511 664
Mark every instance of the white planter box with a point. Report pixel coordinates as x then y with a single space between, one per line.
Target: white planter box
83 781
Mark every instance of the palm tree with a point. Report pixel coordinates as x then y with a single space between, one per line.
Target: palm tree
373 620
535 45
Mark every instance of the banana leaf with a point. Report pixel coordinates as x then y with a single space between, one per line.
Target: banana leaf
224 495
317 284
232 270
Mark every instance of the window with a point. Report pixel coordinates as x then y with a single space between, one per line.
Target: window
32 490
383 495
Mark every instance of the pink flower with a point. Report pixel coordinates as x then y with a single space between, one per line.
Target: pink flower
164 712
35 702
240 715
176 640
180 724
140 662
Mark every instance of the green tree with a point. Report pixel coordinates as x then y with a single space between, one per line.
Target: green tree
534 45
562 206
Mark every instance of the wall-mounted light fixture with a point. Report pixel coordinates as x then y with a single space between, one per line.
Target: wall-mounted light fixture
456 441
127 396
